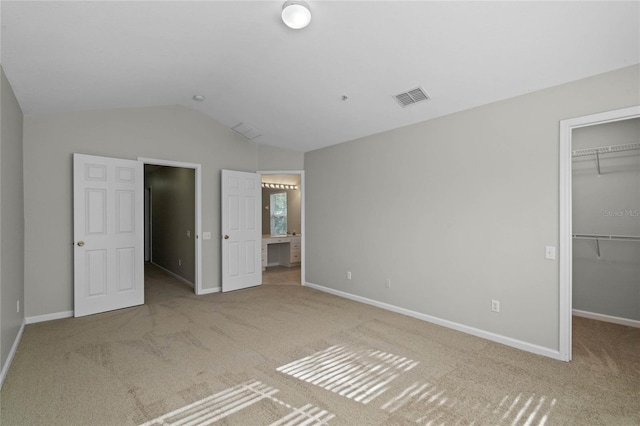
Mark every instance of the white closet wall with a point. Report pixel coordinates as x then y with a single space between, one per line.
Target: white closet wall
606 273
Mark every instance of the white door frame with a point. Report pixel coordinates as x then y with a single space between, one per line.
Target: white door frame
565 243
302 214
148 220
198 209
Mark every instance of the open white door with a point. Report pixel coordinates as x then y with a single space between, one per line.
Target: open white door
108 200
241 230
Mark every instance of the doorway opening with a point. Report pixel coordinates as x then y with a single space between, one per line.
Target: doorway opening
567 233
283 259
172 219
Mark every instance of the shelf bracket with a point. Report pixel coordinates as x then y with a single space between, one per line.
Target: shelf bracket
598 163
598 247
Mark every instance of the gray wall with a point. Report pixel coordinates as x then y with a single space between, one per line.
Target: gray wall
294 211
271 158
455 211
169 133
607 204
173 207
11 220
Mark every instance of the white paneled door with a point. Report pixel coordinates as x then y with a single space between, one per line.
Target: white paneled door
241 230
108 200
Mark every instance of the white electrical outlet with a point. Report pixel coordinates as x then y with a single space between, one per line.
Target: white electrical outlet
387 283
495 305
188 234
179 262
348 275
206 235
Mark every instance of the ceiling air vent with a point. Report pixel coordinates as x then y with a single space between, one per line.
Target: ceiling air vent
246 131
411 97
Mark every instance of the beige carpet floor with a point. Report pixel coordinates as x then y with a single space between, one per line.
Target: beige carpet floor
292 355
280 275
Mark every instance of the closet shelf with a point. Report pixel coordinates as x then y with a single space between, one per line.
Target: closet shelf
598 237
606 237
605 149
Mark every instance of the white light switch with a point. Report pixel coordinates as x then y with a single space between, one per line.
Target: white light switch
550 252
206 235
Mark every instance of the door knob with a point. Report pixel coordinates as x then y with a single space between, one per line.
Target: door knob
226 237
80 243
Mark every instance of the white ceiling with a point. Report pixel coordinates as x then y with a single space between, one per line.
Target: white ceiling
288 84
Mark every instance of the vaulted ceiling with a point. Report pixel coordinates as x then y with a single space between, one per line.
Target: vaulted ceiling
290 85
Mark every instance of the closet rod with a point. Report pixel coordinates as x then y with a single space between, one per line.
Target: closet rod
605 149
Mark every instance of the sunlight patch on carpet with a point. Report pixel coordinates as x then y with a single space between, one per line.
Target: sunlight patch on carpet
360 375
223 404
306 415
427 404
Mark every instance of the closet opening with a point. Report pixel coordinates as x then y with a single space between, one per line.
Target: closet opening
599 221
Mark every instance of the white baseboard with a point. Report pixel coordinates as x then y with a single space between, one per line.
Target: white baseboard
12 353
210 290
607 318
49 317
174 275
518 344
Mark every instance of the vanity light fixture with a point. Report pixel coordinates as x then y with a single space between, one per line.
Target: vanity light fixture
296 14
278 186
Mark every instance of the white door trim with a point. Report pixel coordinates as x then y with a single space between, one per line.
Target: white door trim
198 208
565 242
148 220
302 214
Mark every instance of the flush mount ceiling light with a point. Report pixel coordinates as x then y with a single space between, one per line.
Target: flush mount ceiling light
296 14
